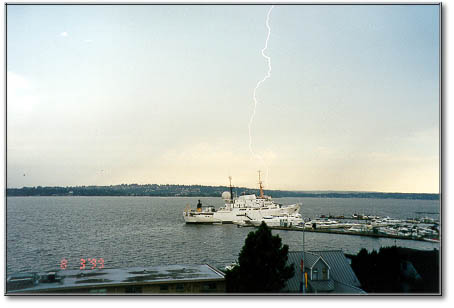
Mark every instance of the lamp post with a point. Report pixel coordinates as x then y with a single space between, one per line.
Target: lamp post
305 219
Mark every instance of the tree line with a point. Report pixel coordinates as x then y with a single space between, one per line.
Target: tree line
168 190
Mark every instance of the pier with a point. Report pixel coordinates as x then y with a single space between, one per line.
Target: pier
346 232
424 220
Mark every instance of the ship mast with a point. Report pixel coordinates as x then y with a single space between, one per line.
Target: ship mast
231 190
261 187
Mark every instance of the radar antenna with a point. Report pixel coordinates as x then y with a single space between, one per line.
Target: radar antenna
261 186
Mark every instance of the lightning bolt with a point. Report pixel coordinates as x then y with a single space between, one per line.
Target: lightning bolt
257 86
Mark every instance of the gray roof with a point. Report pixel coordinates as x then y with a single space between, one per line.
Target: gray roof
309 259
340 268
72 279
293 284
341 274
322 285
347 289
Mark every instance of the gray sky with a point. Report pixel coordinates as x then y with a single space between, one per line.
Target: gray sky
101 95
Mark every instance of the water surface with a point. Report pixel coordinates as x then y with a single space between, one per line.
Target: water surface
147 231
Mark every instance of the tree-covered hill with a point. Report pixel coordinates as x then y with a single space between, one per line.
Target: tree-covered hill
196 191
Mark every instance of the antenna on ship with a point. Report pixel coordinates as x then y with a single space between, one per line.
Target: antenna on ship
260 185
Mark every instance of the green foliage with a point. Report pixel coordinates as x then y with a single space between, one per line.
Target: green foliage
389 270
193 191
261 264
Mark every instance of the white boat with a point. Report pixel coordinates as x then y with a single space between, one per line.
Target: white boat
242 223
237 210
279 221
433 240
387 230
231 266
356 229
380 223
391 221
324 224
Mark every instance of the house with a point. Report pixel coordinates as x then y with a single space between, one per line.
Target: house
328 272
165 279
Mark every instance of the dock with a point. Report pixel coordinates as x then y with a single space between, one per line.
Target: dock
346 232
371 217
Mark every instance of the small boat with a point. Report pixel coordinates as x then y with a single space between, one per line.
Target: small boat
433 240
324 224
242 223
356 229
231 266
279 221
391 221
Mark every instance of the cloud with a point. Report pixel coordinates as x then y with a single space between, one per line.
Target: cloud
64 34
16 82
21 97
206 163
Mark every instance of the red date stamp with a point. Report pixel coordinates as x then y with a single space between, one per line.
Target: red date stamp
84 264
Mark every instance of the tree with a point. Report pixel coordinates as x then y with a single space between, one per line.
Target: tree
261 264
386 271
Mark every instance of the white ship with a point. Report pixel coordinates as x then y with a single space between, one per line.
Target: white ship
244 208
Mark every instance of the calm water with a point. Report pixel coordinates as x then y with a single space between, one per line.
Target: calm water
146 231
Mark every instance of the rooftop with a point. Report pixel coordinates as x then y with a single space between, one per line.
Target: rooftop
73 279
342 278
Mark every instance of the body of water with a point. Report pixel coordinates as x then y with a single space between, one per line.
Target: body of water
147 231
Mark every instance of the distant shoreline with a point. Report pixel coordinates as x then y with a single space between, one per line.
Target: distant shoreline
154 190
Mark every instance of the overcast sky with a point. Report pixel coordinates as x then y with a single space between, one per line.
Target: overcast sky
101 95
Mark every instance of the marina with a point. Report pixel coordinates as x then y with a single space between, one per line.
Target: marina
385 228
249 210
355 216
353 232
